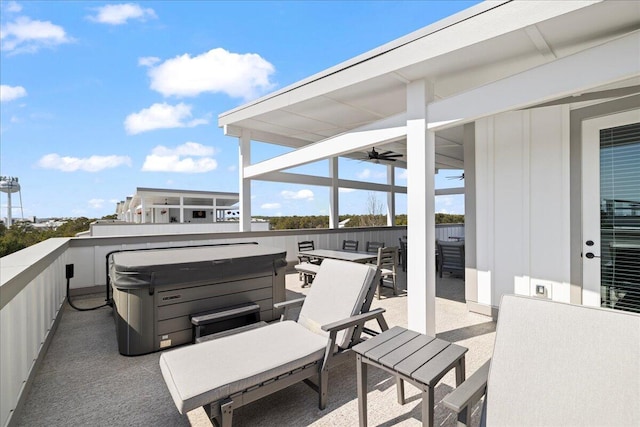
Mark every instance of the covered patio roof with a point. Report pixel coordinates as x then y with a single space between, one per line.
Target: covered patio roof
415 95
469 50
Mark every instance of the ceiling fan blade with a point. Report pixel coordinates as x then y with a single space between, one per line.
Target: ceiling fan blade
391 155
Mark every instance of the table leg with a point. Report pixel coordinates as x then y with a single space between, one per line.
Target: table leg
460 371
427 406
465 415
362 390
400 390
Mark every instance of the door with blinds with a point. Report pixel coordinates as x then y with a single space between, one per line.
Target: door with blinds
611 211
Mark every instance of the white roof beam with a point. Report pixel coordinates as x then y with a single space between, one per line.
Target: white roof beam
449 191
380 132
295 178
538 40
268 137
607 63
370 186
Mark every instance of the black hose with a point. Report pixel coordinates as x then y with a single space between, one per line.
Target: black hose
78 308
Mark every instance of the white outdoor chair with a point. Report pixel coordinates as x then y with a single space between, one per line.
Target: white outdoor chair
226 373
557 364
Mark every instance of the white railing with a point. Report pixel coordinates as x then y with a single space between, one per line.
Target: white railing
31 295
33 286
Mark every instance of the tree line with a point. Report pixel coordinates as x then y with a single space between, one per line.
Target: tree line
23 234
367 220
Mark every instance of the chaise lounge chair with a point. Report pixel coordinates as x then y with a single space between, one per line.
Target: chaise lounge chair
557 364
226 373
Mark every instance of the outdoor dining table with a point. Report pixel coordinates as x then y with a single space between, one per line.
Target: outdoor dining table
353 256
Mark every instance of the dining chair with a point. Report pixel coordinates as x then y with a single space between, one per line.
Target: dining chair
350 245
306 245
450 257
402 254
374 246
387 263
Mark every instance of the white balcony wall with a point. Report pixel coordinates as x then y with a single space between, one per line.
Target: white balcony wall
33 286
32 292
522 200
88 254
130 229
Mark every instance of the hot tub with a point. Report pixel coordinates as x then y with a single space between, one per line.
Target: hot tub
156 291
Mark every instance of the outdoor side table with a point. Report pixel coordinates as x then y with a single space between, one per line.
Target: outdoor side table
409 356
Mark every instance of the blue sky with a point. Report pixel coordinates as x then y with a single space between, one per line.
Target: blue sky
99 98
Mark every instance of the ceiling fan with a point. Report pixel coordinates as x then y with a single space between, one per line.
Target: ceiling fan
460 177
387 156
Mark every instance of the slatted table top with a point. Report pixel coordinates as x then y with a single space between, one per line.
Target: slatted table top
417 356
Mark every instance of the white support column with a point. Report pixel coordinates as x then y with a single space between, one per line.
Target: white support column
181 209
421 261
143 207
244 143
391 196
334 196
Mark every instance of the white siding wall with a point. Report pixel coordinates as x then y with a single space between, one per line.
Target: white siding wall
522 193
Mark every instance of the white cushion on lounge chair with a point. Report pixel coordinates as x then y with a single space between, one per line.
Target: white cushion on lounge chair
206 372
338 293
561 364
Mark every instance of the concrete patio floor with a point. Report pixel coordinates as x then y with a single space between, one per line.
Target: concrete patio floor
83 380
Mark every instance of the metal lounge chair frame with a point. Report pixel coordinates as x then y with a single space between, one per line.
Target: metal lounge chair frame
314 373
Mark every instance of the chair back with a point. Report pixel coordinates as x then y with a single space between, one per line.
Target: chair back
374 246
403 251
450 256
341 289
561 364
306 245
350 245
388 258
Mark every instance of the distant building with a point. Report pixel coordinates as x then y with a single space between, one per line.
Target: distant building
164 206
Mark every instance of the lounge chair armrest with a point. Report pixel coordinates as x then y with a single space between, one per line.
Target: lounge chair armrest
358 319
470 391
289 304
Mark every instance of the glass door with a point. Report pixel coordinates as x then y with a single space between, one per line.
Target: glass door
611 211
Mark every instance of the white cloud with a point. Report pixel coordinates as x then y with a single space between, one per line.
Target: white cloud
89 164
186 149
26 35
232 168
216 71
297 195
164 159
346 190
368 173
13 7
148 61
9 93
96 203
118 14
364 174
270 206
402 175
162 116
